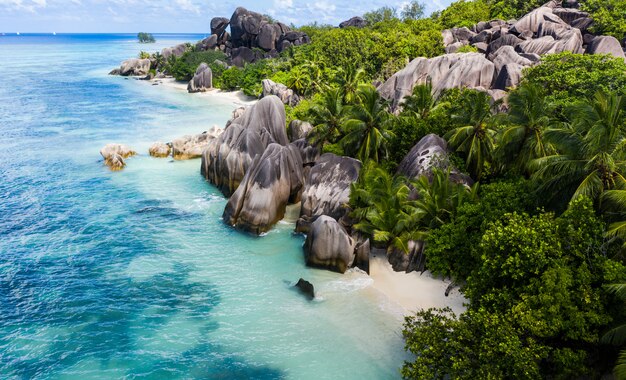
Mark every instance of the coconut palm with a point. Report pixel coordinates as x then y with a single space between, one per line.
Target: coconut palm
367 129
592 155
617 335
522 139
327 118
349 79
475 136
300 80
421 102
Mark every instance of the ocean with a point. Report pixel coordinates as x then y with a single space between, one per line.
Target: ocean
133 274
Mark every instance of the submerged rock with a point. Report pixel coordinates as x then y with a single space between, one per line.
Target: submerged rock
272 181
159 150
114 155
306 288
192 146
202 79
227 159
328 245
327 189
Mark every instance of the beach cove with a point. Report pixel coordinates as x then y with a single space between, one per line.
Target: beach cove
109 274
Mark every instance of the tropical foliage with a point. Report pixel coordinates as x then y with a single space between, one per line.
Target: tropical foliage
145 38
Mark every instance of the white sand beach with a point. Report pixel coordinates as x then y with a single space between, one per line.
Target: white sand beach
237 97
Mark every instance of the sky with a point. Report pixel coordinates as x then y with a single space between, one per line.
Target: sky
172 16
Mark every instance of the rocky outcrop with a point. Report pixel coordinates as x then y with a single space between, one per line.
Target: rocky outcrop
306 288
448 71
327 189
227 159
299 129
356 22
329 246
272 181
177 51
208 43
413 260
284 93
606 45
192 146
114 155
134 67
202 79
219 25
243 55
159 150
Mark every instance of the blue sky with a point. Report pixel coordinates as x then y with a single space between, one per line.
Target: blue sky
174 16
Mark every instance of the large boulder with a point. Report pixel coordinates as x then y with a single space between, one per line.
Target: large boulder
309 153
219 25
299 129
357 22
208 43
458 70
272 181
159 150
506 40
284 93
192 146
431 152
243 55
268 36
507 55
570 15
226 160
245 26
605 45
531 21
327 189
329 246
114 155
135 66
509 76
413 260
548 45
177 51
202 79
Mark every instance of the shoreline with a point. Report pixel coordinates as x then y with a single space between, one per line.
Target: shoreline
237 97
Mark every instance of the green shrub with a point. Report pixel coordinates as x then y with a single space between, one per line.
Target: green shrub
184 68
145 38
464 13
609 16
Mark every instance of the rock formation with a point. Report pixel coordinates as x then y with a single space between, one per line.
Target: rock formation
327 189
135 67
227 159
114 155
357 22
306 288
272 181
202 79
328 245
284 93
219 25
193 146
606 45
177 51
299 129
159 150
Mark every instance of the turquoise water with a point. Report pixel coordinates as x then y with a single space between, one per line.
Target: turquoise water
133 274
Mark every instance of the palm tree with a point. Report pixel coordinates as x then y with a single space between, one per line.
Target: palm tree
367 131
475 136
327 118
592 155
421 102
349 79
617 335
299 80
522 140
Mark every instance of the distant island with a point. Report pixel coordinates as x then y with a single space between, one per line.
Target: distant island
146 38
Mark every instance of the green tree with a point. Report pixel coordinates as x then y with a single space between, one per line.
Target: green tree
145 38
522 139
475 135
413 10
366 132
591 158
327 117
421 102
609 16
617 335
464 13
349 79
381 14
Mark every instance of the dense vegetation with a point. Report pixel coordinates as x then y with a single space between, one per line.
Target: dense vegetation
145 38
536 244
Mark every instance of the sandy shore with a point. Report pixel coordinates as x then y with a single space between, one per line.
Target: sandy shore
237 97
413 291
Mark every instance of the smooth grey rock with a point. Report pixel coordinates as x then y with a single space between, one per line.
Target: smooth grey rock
509 76
208 43
583 23
506 40
308 152
402 261
448 71
284 93
219 25
135 67
177 51
227 159
548 45
362 252
114 155
245 25
273 180
328 245
484 36
268 36
242 55
159 150
192 146
448 37
453 48
357 22
569 15
531 21
299 129
506 55
606 45
327 189
462 34
202 79
481 47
